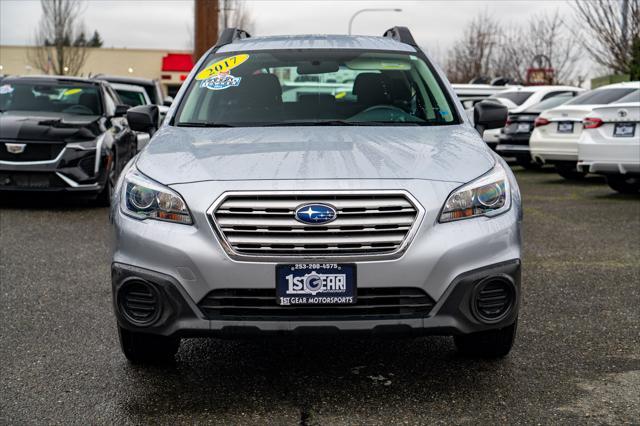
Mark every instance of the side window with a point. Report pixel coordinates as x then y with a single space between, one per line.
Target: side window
552 94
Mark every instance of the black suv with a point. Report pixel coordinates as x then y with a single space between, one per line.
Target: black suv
62 134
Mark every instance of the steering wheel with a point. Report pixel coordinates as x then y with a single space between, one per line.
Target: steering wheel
391 108
78 109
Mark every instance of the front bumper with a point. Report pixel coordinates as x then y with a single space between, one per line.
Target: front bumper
452 313
75 170
193 260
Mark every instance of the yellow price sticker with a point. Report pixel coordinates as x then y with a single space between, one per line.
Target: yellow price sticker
70 92
222 66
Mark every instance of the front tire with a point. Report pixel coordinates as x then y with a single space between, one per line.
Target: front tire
487 344
624 184
569 171
143 348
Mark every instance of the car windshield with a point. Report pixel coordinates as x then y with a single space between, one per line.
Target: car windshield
517 98
549 103
131 97
68 98
315 87
601 96
631 97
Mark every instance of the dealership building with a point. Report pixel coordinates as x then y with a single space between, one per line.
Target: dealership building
170 68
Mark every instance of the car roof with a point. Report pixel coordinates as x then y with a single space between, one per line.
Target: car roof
623 84
316 42
130 87
124 79
534 89
50 78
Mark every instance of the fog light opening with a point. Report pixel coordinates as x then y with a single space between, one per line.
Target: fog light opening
493 299
139 302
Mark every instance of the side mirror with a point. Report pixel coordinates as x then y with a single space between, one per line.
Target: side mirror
121 110
143 118
167 101
489 115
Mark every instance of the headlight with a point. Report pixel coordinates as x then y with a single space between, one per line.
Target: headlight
489 195
143 198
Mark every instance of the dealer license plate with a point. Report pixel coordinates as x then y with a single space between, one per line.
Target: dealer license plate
565 127
316 284
624 130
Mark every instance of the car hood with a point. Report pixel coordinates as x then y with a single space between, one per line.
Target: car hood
44 126
447 153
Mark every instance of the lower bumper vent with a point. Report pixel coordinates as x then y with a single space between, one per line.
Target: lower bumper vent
260 305
138 301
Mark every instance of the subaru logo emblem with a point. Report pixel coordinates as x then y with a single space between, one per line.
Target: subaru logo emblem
15 148
315 214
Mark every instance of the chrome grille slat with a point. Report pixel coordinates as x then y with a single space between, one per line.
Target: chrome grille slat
339 204
290 212
381 219
299 230
367 222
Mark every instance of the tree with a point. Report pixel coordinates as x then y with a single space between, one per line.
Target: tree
544 35
608 29
59 25
232 13
96 40
472 55
634 68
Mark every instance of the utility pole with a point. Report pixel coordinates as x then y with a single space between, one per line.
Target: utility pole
206 26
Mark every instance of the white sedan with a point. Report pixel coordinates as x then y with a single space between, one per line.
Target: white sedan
610 144
519 99
557 131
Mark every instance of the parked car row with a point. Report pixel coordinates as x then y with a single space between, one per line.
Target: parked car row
69 134
577 132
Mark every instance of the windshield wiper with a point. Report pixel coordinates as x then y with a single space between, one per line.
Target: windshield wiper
203 124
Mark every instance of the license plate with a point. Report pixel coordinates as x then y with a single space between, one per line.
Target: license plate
522 128
316 284
565 127
624 130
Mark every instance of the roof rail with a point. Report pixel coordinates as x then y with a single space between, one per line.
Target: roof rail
229 35
401 34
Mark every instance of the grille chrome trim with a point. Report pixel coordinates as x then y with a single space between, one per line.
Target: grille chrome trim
275 236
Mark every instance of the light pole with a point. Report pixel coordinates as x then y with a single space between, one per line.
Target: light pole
370 10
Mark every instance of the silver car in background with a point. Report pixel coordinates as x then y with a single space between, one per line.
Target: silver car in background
375 208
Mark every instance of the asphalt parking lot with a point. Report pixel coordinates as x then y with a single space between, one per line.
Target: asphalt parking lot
576 360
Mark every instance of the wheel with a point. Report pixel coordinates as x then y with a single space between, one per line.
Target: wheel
569 171
104 197
528 163
487 344
624 184
140 348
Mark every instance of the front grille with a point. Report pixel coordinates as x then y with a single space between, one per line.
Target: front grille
260 305
33 151
139 302
365 224
30 180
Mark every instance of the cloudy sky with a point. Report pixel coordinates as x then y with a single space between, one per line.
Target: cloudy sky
166 24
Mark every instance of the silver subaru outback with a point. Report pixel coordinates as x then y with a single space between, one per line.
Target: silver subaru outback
316 184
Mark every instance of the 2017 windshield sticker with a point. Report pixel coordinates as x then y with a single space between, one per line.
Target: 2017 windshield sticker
5 89
221 81
70 92
222 66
